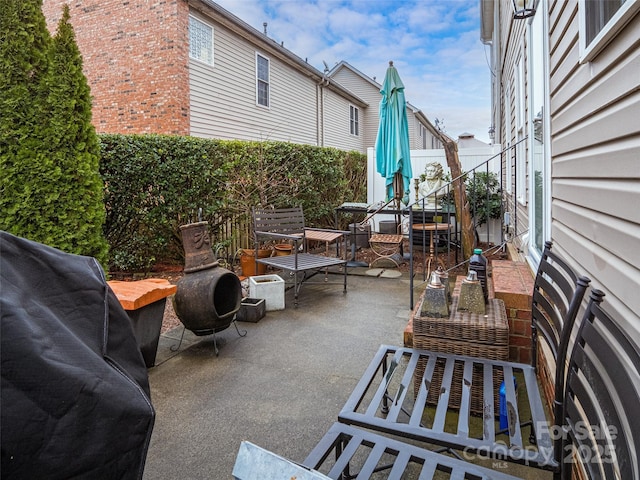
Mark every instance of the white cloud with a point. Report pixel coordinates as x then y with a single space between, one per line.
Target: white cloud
435 45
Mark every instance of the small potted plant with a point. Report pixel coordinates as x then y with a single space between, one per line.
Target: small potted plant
248 260
485 199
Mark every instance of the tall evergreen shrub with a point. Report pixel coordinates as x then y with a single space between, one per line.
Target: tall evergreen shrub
24 44
52 191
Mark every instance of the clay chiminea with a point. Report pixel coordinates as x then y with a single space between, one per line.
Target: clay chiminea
208 295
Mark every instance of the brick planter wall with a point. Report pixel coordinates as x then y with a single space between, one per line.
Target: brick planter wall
513 284
136 60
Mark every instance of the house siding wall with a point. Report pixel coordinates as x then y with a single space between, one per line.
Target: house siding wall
415 139
512 36
370 94
227 110
412 124
596 159
337 123
137 74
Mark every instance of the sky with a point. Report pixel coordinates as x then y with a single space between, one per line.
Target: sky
434 44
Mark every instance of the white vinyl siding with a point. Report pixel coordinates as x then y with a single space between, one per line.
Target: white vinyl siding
368 90
413 128
508 140
520 151
370 94
418 132
200 40
337 122
510 103
223 100
595 151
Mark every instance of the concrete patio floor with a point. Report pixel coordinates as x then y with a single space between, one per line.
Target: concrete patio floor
281 386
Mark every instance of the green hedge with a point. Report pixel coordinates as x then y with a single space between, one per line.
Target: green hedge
155 183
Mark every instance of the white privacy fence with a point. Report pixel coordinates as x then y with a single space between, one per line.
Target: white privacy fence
470 158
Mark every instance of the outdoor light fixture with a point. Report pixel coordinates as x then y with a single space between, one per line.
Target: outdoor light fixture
523 9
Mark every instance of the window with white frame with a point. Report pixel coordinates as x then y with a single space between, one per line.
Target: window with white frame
600 21
354 123
521 159
262 80
539 164
200 41
423 135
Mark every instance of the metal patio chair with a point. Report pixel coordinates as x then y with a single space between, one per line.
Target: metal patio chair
288 224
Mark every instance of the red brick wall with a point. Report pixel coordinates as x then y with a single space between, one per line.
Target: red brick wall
136 56
513 284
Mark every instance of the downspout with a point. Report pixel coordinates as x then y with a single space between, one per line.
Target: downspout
320 108
319 115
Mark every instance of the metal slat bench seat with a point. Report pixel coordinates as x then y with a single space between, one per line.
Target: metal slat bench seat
597 429
393 372
384 399
348 452
288 224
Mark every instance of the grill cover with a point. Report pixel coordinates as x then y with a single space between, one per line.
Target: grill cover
75 391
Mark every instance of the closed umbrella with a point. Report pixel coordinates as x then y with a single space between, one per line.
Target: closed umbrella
393 159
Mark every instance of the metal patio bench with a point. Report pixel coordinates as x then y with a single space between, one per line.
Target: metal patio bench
348 452
288 224
399 393
598 427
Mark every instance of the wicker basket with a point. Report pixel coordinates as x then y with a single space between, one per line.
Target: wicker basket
455 392
463 333
491 328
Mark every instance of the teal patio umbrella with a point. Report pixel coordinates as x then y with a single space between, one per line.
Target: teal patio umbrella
393 159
